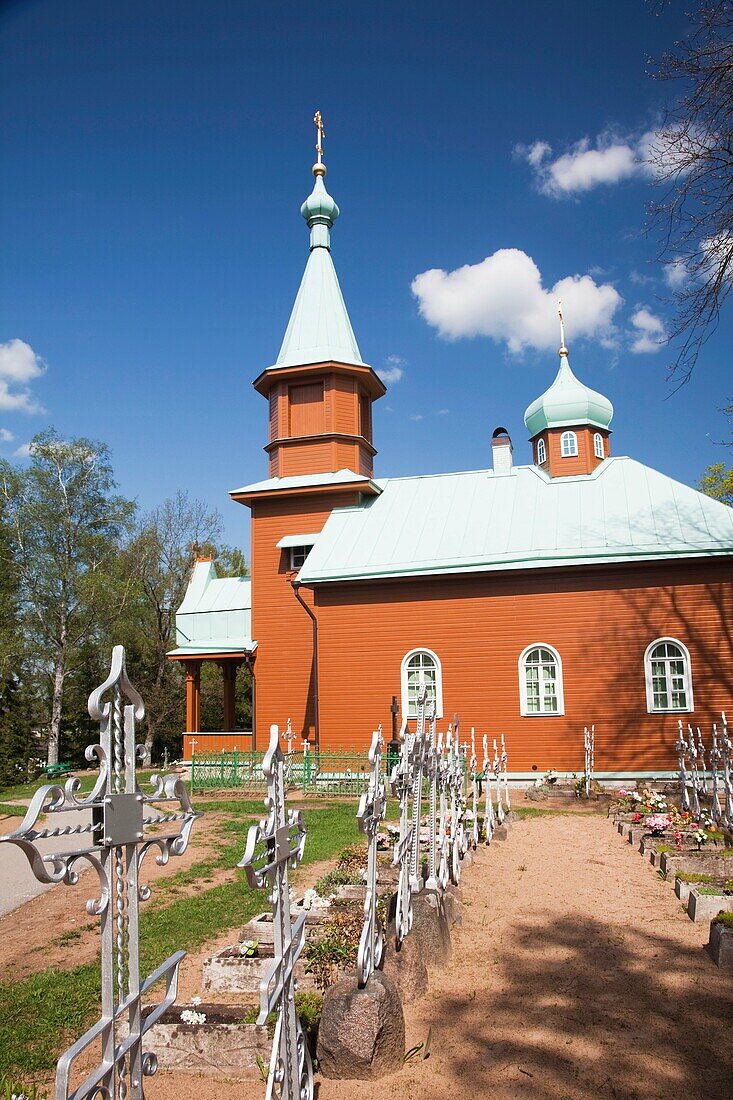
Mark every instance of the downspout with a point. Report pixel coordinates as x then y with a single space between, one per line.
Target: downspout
295 585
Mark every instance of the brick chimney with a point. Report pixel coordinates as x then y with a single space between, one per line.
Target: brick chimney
501 449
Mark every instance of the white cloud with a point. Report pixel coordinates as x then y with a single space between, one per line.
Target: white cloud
416 416
443 412
502 297
676 273
393 371
610 159
6 436
19 365
650 332
639 279
23 451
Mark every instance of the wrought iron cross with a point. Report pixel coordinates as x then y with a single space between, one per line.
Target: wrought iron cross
497 780
505 774
701 757
401 782
489 819
420 745
693 769
432 766
715 757
370 815
117 841
473 772
681 746
727 778
273 845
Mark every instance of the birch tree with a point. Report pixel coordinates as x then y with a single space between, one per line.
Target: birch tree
65 526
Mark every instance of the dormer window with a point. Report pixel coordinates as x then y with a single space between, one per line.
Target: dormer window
598 445
298 554
541 452
568 445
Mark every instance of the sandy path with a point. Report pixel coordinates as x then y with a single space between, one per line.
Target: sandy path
575 974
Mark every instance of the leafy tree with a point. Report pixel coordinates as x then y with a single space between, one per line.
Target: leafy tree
717 482
693 157
65 529
167 543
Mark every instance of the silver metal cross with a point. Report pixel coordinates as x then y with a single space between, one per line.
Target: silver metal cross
370 815
116 841
273 845
681 746
489 819
401 782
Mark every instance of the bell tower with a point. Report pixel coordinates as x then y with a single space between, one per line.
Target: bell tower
320 391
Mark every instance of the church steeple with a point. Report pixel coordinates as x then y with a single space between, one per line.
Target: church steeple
320 389
569 424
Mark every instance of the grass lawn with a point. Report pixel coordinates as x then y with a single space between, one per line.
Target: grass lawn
42 1014
27 790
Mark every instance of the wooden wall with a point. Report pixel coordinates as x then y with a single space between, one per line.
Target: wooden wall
600 621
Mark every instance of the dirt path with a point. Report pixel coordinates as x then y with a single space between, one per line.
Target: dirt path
576 974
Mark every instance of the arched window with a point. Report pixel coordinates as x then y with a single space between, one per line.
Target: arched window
541 452
540 680
414 664
568 444
598 446
668 676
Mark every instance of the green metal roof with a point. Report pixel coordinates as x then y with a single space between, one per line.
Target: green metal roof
319 329
216 614
567 403
478 521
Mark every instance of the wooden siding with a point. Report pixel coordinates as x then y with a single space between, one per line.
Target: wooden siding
283 630
219 742
583 463
306 408
599 622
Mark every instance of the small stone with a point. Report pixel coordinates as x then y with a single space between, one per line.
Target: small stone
430 926
405 966
362 1031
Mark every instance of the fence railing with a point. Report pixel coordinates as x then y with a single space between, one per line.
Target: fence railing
329 771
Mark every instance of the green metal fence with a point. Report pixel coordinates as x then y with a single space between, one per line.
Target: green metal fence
332 771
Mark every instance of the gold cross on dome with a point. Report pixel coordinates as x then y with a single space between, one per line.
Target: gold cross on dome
320 135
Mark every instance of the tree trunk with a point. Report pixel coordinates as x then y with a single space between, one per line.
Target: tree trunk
54 731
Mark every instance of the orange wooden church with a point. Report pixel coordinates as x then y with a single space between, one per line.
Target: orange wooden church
579 588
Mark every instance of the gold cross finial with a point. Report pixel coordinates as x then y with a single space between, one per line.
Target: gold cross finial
320 135
563 349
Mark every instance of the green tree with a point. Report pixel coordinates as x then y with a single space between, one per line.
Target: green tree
65 525
717 482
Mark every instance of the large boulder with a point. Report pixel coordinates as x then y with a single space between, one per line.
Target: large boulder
431 928
406 966
362 1031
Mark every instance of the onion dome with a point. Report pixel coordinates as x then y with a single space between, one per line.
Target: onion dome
320 210
567 403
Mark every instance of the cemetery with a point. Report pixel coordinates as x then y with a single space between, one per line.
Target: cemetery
366 965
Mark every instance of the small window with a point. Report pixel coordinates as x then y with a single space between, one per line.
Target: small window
668 677
598 446
298 554
417 663
541 452
540 681
568 444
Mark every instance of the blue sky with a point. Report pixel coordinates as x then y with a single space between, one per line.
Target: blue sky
155 158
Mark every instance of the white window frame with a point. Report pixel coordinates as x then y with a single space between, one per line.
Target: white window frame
687 677
294 564
572 440
559 690
541 452
598 448
438 681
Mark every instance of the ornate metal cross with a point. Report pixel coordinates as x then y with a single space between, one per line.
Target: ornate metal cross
681 746
701 758
370 815
505 774
432 766
117 840
473 772
442 777
589 744
715 757
727 778
420 743
489 819
693 771
401 782
274 845
497 780
454 779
